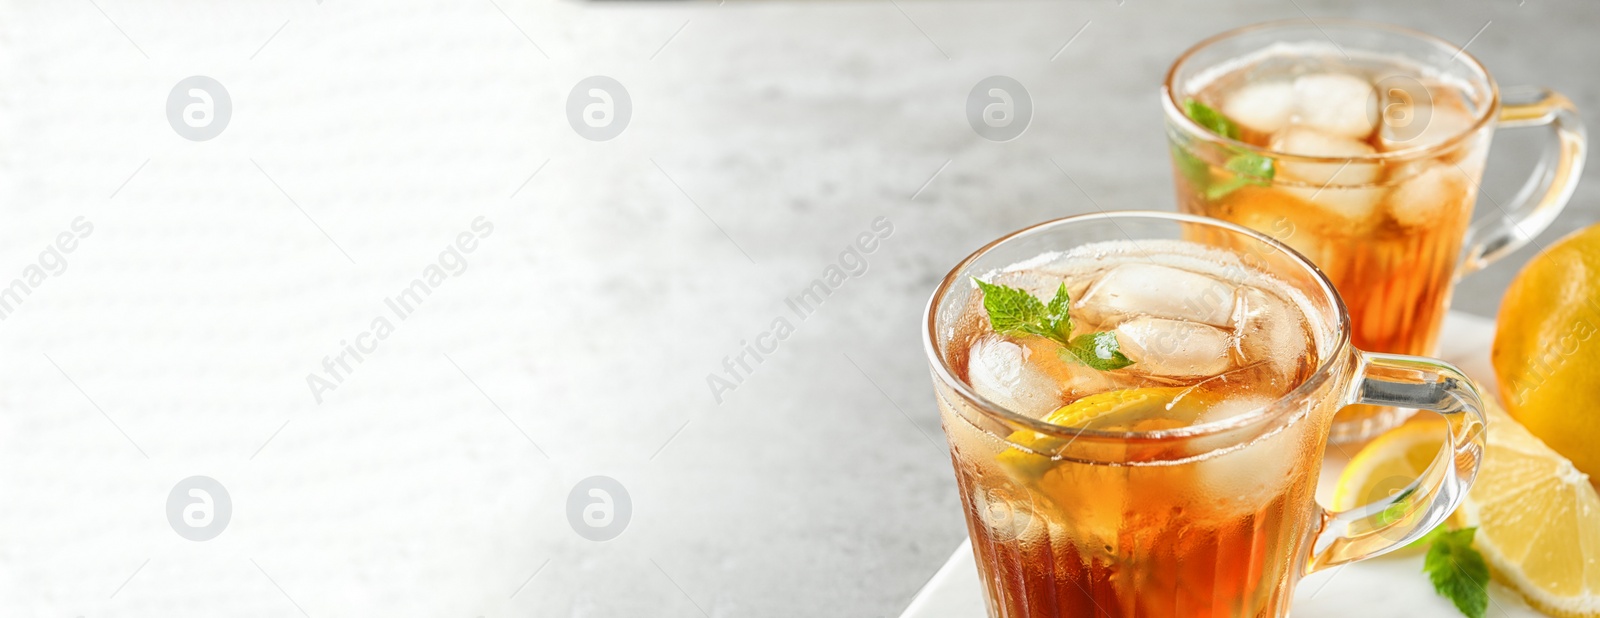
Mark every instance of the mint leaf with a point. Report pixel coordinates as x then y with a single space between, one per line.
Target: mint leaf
1393 512
1011 311
1222 189
1097 350
1016 312
1211 119
1458 572
1256 169
1248 168
1427 540
1056 314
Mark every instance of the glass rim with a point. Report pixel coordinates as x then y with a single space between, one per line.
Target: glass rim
1174 111
1336 354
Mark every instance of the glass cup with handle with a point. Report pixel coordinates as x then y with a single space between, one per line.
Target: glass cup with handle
1180 479
1362 146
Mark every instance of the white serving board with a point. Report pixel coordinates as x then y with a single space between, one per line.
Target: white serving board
1390 586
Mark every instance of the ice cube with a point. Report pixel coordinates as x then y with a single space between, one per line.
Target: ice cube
1263 107
1314 143
1409 123
1135 288
1428 194
1010 514
1354 203
1267 329
1337 187
1229 407
1336 103
1000 371
1251 476
1174 348
1071 377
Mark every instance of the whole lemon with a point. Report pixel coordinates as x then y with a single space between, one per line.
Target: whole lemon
1547 348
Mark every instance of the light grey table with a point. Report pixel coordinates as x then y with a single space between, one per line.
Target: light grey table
764 138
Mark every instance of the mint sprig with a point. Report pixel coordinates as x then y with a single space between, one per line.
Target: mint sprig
1016 312
1247 168
1458 572
1097 350
1208 117
1398 510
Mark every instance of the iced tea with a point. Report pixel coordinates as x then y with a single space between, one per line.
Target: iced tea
1137 425
1189 528
1365 163
1387 231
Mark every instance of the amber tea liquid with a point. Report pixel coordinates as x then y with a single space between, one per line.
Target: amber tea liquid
1154 528
1384 216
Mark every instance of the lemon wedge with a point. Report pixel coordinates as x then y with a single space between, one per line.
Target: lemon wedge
1538 521
1538 517
1389 463
1134 409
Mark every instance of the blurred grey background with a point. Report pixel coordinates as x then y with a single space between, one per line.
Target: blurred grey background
764 138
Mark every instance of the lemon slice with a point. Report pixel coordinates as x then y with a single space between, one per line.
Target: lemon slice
1538 521
1538 518
1389 463
1137 409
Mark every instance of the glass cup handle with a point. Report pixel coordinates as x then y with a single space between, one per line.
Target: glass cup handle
1377 528
1547 190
